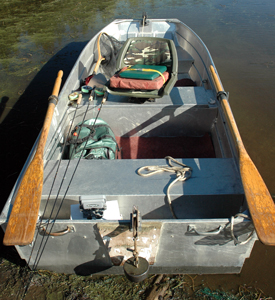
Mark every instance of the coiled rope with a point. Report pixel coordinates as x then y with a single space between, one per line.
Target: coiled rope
182 171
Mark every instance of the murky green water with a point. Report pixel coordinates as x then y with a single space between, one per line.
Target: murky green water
40 37
239 35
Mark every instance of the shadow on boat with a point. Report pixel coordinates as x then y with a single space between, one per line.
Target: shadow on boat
101 261
22 125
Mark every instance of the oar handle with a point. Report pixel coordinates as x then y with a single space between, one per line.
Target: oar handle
57 83
259 200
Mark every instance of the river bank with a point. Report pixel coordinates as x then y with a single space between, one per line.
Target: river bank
15 281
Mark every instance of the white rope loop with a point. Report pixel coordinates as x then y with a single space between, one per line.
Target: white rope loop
182 171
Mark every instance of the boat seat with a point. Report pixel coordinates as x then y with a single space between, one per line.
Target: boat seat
151 66
213 191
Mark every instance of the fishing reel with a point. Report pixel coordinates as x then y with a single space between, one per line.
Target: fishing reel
92 207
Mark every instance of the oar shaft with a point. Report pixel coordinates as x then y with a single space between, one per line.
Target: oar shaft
100 57
49 115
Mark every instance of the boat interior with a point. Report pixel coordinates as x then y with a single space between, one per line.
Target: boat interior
184 123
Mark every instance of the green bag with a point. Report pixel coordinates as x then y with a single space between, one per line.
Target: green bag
92 140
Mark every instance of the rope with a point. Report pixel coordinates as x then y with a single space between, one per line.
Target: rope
183 172
235 239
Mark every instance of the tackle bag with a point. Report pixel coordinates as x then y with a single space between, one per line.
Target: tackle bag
92 140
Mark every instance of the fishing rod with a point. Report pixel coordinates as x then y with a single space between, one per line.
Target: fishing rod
95 81
57 169
41 247
47 232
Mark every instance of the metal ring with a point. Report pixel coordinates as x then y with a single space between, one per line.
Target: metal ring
58 233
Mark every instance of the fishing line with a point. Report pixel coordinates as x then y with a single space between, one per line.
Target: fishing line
56 198
38 257
45 235
41 218
79 159
59 163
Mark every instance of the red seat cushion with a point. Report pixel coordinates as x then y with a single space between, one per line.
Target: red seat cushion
138 84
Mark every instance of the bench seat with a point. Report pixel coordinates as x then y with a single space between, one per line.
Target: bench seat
214 190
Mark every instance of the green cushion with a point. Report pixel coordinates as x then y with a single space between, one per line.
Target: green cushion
139 74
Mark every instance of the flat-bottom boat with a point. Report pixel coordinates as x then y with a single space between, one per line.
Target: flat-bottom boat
142 164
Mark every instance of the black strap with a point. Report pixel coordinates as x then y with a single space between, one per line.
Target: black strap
91 135
221 93
53 99
91 155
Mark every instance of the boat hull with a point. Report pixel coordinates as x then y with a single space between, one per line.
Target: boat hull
201 239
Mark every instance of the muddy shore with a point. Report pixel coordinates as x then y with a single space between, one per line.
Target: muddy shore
17 282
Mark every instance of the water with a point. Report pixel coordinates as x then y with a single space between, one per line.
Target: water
40 37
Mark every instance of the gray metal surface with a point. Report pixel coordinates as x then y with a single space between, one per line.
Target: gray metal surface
119 177
214 190
84 252
187 111
196 253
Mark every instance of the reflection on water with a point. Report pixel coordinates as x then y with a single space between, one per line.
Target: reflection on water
48 35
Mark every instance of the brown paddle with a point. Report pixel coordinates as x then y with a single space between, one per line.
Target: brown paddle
22 221
98 80
259 200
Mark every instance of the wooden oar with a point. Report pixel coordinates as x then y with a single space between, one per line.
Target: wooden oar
100 57
22 221
259 200
98 80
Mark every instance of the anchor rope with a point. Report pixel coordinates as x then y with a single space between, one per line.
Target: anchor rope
234 237
182 171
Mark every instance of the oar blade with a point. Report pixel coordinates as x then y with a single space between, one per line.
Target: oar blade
259 200
22 221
